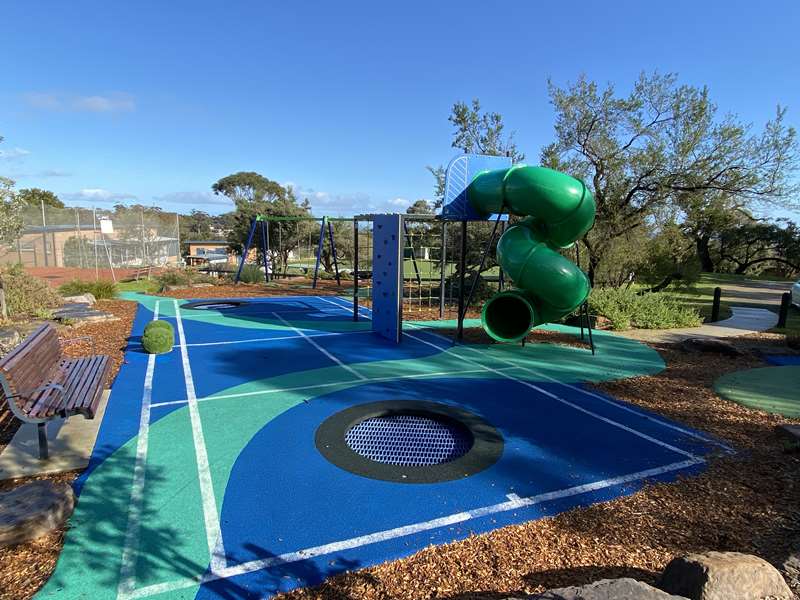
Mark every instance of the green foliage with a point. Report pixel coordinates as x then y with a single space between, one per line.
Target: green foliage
78 252
158 339
647 153
624 308
100 289
170 277
158 325
26 295
36 197
251 274
11 209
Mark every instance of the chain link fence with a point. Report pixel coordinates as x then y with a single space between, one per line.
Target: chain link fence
95 239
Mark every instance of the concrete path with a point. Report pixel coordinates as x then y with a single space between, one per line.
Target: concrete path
744 320
71 443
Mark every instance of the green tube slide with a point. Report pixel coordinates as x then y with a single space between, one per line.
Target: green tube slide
559 210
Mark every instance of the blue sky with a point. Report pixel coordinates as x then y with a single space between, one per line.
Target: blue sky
153 101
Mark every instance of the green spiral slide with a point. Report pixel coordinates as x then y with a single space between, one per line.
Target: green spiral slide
559 210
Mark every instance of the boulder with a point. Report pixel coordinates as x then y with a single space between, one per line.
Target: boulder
608 589
9 338
723 576
85 298
32 510
700 344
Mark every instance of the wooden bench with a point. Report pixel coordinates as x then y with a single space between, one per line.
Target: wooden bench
41 384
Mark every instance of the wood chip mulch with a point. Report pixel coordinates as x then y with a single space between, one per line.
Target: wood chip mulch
749 502
25 567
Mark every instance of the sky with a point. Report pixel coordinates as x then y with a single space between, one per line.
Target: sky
153 101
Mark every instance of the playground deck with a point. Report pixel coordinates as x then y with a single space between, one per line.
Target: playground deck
206 480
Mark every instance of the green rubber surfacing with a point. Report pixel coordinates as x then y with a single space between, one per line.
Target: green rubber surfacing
772 389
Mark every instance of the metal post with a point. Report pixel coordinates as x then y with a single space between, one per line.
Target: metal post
715 306
333 253
442 270
355 269
41 429
94 231
461 281
480 266
80 237
245 250
501 279
783 312
265 249
44 233
319 250
588 325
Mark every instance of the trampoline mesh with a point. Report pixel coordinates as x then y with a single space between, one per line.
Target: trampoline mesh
409 440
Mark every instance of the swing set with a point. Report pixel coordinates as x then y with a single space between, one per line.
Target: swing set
261 223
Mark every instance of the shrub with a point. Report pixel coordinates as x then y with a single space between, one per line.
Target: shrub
173 277
26 295
251 274
157 325
100 289
158 339
624 308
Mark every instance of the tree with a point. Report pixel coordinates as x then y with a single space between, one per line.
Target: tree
420 207
11 207
757 243
253 194
658 146
35 197
197 225
476 132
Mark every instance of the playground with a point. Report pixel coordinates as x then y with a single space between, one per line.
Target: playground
264 443
207 478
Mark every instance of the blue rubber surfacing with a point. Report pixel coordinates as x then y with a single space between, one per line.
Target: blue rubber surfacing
290 518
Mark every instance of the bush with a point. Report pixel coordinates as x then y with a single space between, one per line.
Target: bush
251 274
158 339
624 308
157 325
26 295
100 289
183 277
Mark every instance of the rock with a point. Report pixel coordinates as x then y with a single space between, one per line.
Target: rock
33 509
9 338
608 589
723 576
699 344
85 298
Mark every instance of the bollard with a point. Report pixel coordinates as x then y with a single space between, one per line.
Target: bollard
783 313
715 306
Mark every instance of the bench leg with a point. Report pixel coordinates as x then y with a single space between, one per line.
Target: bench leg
42 430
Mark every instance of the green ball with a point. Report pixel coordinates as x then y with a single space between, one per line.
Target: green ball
158 340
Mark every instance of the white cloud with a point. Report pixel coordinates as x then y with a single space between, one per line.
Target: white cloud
92 195
14 153
196 199
107 103
400 202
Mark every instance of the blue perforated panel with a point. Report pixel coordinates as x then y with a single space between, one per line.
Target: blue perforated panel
387 275
409 440
460 172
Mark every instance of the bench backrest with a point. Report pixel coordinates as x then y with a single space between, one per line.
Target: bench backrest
30 364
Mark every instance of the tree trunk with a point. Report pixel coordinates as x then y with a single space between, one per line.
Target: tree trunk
704 253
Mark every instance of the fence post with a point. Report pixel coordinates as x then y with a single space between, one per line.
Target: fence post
715 306
783 313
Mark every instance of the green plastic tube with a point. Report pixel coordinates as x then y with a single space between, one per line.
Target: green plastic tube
560 210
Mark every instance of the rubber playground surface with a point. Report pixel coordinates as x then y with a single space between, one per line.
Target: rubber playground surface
206 481
771 389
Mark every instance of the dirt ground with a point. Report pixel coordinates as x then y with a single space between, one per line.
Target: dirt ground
55 276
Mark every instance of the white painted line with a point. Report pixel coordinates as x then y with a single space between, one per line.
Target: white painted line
216 547
331 384
127 570
345 308
514 503
273 339
638 413
309 339
563 400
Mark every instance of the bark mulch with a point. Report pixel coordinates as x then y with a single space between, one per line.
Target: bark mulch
25 567
748 502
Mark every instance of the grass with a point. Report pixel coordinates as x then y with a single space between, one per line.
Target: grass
143 286
792 323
